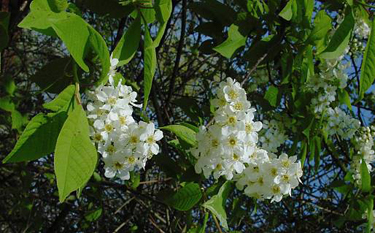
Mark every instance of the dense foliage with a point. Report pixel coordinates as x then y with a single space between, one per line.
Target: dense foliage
187 116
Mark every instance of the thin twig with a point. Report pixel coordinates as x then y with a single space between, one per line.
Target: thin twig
217 224
179 52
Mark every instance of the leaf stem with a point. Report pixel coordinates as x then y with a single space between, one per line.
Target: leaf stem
217 223
76 81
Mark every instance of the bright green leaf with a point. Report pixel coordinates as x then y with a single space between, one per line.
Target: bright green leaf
17 120
271 95
370 215
163 9
74 33
217 204
97 43
287 12
78 36
75 154
234 41
368 65
62 101
7 104
94 215
58 5
38 139
183 133
339 41
149 66
365 178
344 98
322 24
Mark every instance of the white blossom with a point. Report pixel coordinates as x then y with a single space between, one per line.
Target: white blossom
125 145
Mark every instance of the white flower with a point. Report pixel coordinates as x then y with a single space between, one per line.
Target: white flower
150 137
272 178
124 144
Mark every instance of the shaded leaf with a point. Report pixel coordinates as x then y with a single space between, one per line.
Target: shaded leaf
111 8
128 44
38 139
55 76
185 198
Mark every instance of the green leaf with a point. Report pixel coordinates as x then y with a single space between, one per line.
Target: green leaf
344 98
77 35
63 101
271 95
184 133
97 43
370 215
54 76
7 104
38 139
368 65
163 10
185 198
9 84
58 5
234 41
149 66
41 5
94 215
40 20
17 120
217 203
339 41
74 33
365 178
75 154
128 44
287 12
322 24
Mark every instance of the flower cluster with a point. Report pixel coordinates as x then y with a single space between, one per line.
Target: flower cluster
124 144
325 83
364 144
273 136
269 177
225 147
228 148
342 124
361 33
361 28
